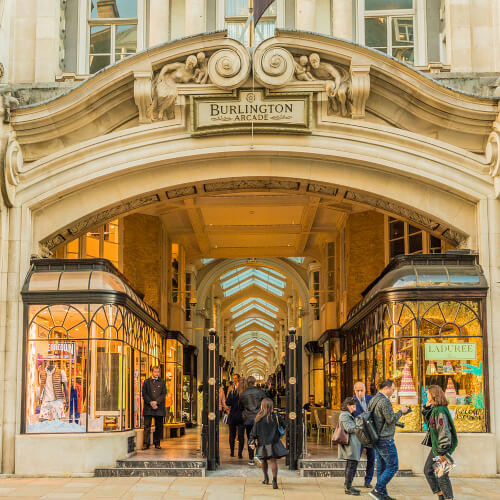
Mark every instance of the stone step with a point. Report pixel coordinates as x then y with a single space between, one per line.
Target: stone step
162 464
327 464
339 472
150 472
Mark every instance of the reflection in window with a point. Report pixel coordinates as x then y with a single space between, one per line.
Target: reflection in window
236 16
112 32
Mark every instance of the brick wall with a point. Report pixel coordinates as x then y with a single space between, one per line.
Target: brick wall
142 255
366 252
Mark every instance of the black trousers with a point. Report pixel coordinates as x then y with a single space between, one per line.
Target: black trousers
248 429
158 429
350 472
236 430
438 484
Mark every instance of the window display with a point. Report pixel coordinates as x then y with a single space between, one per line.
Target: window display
86 362
332 368
426 342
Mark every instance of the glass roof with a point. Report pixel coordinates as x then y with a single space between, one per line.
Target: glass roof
239 278
245 302
298 260
249 321
88 280
253 306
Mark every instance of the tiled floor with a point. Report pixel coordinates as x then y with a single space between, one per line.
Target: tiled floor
225 488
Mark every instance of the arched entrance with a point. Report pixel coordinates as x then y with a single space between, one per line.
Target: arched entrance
233 206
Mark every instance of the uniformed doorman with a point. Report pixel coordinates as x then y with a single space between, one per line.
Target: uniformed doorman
154 392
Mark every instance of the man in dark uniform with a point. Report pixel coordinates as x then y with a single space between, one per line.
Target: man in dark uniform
154 392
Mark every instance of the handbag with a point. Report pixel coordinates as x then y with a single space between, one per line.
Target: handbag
427 440
340 436
280 428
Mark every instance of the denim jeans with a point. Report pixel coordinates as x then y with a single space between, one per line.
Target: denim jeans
370 463
387 464
438 484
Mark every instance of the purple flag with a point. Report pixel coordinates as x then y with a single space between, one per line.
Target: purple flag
259 7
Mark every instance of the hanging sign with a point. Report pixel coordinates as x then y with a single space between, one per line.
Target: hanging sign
248 110
447 351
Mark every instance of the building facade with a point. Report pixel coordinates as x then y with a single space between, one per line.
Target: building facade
169 168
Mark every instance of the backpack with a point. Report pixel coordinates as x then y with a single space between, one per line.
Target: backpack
365 429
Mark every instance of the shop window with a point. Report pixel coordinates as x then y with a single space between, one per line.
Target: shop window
236 18
113 27
173 377
389 26
175 273
102 242
404 238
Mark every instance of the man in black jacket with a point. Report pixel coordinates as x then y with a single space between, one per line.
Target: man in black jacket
154 392
386 453
250 404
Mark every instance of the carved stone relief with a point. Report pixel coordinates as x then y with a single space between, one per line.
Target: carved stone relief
8 102
273 67
252 184
11 162
180 192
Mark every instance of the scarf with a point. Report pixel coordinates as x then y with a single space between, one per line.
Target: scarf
433 431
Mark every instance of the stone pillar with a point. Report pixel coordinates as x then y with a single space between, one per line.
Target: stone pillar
306 12
342 16
159 21
194 20
12 334
47 40
489 252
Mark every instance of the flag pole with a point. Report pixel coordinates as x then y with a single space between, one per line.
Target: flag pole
252 27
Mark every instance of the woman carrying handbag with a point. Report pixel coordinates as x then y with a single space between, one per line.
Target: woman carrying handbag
267 432
349 446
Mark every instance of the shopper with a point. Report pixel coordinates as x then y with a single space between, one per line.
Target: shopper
235 418
350 452
249 402
362 401
266 438
441 437
154 392
385 450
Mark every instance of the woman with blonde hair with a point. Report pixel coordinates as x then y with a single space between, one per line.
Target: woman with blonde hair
442 438
266 433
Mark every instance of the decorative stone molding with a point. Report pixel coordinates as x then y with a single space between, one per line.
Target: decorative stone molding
252 184
492 153
360 89
11 158
229 68
8 102
273 67
451 235
143 94
180 192
83 225
320 189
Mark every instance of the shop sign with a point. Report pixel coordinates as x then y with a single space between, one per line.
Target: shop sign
248 110
447 351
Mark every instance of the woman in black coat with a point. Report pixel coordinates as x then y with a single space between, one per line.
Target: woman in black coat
265 433
235 417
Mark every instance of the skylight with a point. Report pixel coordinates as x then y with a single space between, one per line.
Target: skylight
259 321
206 261
256 339
298 260
239 278
253 281
254 306
255 299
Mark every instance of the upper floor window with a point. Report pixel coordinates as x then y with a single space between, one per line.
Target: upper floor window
236 17
112 31
390 26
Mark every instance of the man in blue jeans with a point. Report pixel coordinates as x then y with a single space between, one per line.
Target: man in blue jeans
385 450
362 402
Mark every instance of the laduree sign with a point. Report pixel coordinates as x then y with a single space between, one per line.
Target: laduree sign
448 351
248 109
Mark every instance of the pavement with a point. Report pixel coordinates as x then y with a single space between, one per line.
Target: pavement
226 488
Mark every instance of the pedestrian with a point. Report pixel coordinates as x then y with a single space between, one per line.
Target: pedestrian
222 401
362 401
350 452
265 438
249 402
385 449
154 392
235 418
441 437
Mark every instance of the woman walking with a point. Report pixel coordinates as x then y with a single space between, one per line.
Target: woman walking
235 417
441 437
266 432
350 452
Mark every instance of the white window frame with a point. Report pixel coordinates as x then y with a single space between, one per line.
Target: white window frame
419 26
84 22
221 18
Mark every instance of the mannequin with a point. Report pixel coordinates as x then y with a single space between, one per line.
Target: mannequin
52 393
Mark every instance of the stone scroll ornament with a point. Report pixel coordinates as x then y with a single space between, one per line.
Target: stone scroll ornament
226 68
11 163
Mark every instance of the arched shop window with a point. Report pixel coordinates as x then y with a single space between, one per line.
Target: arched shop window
90 344
432 334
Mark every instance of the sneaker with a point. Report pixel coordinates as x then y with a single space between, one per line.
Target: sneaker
257 461
376 495
387 497
369 486
352 491
250 462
